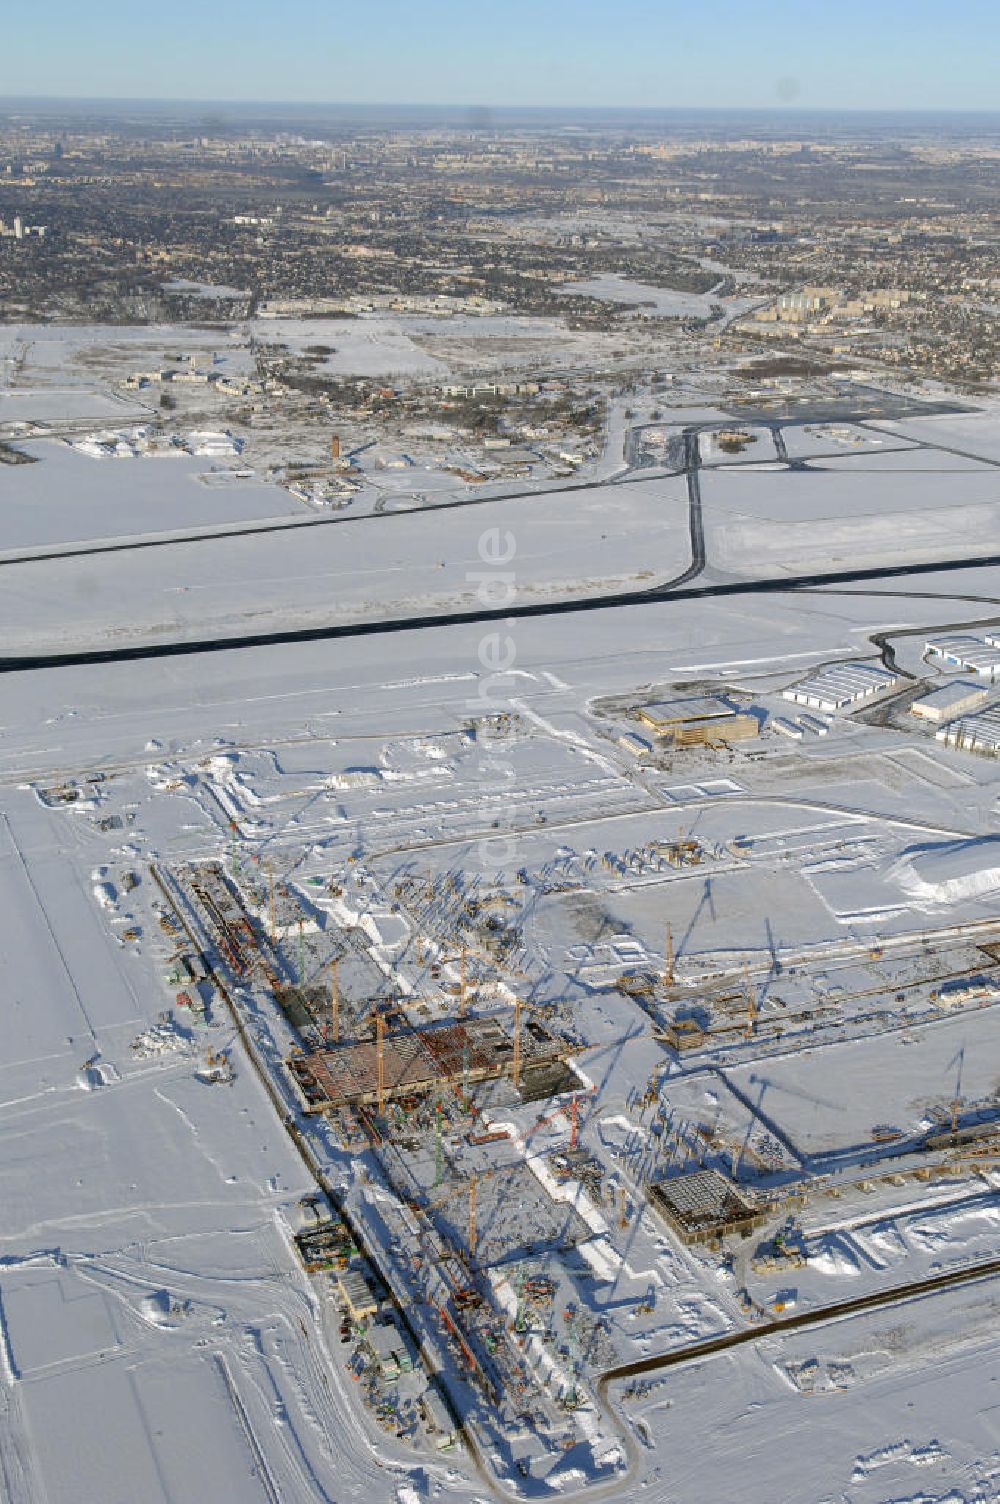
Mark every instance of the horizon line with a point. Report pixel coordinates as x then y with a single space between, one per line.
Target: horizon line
785 109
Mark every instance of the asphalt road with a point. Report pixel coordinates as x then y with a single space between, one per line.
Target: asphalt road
874 1301
681 588
657 595
637 474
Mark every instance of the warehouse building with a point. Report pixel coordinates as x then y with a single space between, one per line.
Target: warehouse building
788 728
797 728
841 686
974 733
947 701
636 746
392 1350
978 655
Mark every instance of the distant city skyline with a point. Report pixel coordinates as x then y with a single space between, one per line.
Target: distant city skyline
567 54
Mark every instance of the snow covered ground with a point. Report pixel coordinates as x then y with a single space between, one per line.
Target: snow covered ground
623 538
366 346
831 948
656 302
880 510
24 408
68 497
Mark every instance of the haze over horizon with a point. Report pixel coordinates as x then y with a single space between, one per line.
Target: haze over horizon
582 55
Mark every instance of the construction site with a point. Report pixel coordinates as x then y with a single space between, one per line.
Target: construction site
531 1179
621 1094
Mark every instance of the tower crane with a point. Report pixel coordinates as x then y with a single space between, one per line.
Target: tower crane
570 1110
334 1002
472 1187
668 960
379 1059
751 996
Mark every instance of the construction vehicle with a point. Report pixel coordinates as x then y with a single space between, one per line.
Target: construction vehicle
218 1069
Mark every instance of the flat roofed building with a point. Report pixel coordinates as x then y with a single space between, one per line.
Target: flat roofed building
357 1294
393 1351
663 716
729 728
785 727
636 745
697 720
949 700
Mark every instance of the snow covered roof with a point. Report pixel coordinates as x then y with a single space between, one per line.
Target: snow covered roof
841 684
974 733
976 653
675 712
951 697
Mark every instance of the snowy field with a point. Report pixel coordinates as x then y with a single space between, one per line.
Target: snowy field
623 538
80 355
804 440
68 497
768 519
974 433
22 409
370 345
655 302
417 346
911 505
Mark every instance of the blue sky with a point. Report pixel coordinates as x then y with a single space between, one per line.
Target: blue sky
855 54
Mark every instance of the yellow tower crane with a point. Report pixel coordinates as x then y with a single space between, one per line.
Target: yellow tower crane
475 1181
751 996
473 1230
380 1061
270 902
516 1062
668 960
